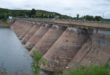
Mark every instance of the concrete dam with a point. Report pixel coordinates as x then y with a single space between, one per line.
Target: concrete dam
64 45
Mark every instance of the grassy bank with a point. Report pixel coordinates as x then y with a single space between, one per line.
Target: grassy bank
36 62
91 70
4 24
82 70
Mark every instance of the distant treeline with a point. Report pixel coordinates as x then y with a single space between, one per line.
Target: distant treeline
5 13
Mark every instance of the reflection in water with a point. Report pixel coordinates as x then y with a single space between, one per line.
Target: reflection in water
14 58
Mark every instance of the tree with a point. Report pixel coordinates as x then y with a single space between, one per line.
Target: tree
33 13
89 18
98 18
77 16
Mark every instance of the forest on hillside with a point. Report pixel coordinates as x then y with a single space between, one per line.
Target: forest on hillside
5 13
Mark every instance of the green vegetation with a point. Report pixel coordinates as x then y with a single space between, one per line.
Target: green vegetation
4 13
37 61
92 18
4 24
91 70
89 18
2 72
32 13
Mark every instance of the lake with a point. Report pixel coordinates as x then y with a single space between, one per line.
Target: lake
14 58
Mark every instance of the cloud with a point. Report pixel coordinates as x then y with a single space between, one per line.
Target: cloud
69 7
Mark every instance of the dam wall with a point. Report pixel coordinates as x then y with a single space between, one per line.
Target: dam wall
37 36
63 46
48 39
94 51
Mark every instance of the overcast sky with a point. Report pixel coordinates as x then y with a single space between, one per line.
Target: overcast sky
68 7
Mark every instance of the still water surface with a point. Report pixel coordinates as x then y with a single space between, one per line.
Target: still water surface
14 58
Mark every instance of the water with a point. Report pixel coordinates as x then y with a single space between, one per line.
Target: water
14 58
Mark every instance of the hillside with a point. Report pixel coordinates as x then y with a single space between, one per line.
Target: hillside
4 13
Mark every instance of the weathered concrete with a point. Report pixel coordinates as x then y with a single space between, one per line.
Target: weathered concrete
30 33
99 50
79 56
48 39
64 49
21 27
25 31
16 26
95 51
37 36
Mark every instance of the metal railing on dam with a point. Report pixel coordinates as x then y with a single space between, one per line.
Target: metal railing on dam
72 23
